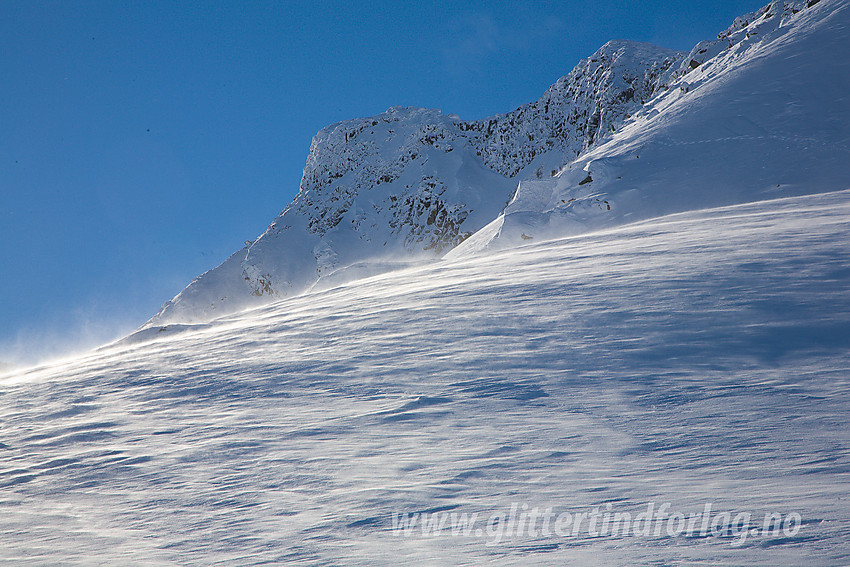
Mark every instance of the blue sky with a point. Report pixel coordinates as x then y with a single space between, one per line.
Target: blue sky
143 142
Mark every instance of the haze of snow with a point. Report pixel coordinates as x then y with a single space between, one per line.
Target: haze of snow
696 358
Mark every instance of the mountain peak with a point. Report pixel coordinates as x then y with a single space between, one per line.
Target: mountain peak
415 183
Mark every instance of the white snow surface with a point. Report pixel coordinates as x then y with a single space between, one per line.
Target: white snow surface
695 358
659 313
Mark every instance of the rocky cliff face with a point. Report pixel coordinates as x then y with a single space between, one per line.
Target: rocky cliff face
579 111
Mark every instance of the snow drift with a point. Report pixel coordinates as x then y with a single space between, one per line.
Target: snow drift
694 359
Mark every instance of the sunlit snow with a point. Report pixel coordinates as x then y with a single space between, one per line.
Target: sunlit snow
698 358
563 360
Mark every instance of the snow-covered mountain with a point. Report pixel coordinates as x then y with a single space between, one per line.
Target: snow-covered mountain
760 113
634 131
687 373
414 183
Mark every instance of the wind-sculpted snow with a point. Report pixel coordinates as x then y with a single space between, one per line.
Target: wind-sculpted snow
695 359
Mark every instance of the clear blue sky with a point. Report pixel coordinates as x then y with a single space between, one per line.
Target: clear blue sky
143 142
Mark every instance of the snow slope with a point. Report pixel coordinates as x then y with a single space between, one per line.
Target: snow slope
763 113
689 360
692 359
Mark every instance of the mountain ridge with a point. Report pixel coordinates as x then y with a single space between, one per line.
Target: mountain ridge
414 183
430 200
759 119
